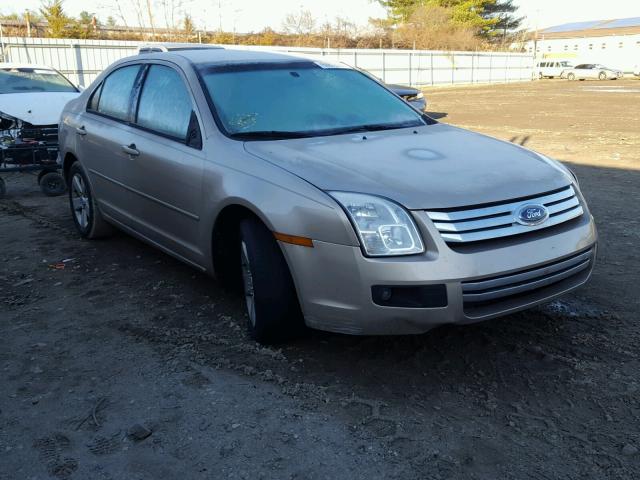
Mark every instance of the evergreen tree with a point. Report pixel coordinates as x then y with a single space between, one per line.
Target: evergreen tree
504 11
57 21
464 13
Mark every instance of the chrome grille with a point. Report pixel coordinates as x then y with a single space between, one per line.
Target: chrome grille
495 221
495 288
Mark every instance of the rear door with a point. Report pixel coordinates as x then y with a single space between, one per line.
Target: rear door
166 162
101 134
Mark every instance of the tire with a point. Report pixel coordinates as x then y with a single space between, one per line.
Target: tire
84 211
540 76
52 184
571 77
3 188
602 76
272 304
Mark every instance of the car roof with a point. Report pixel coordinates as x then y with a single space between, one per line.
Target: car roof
224 56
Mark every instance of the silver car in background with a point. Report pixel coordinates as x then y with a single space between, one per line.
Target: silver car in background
594 71
323 197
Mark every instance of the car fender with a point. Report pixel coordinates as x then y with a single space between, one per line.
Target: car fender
284 202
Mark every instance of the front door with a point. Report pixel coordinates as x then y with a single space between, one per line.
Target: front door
165 165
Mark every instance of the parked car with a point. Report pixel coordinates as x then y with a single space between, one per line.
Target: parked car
636 70
31 100
551 69
412 96
591 70
325 198
35 94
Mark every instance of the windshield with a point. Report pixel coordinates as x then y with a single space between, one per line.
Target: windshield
301 99
25 79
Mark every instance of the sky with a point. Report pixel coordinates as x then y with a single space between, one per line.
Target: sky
254 15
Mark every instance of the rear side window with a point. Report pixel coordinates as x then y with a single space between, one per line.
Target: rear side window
165 104
116 92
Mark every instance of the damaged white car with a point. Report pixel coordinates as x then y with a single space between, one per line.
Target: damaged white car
31 100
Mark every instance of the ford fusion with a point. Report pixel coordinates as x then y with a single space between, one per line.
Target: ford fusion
319 194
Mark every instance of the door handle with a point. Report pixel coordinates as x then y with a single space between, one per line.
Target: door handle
81 130
131 150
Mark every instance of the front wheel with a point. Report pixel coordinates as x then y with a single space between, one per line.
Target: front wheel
85 212
269 293
571 77
602 76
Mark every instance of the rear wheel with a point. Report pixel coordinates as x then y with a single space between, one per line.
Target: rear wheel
269 293
602 76
3 188
84 210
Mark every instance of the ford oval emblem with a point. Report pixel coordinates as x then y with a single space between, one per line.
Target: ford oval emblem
531 214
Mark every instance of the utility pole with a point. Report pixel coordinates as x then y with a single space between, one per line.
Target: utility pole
28 19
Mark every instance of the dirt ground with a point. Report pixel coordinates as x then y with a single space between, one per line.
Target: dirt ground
118 362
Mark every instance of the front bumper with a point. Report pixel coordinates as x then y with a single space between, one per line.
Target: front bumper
334 281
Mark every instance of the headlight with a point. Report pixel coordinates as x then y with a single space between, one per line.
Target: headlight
415 97
384 227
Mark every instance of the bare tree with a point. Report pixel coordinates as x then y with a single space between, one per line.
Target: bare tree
139 9
300 23
121 14
150 11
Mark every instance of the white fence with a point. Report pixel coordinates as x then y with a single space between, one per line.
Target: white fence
83 60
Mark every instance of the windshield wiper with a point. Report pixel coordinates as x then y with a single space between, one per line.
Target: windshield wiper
269 135
372 127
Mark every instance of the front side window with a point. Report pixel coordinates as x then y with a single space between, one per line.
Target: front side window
116 92
272 100
165 103
29 80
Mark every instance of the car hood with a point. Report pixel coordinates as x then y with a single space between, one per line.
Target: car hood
37 108
402 90
439 166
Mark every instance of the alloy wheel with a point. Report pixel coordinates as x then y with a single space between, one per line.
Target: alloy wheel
247 280
80 201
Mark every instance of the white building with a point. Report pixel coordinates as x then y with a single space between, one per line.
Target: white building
614 43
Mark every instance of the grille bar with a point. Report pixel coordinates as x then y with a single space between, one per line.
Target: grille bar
495 221
504 286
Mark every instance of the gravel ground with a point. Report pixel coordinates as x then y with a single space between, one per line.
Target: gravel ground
118 362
